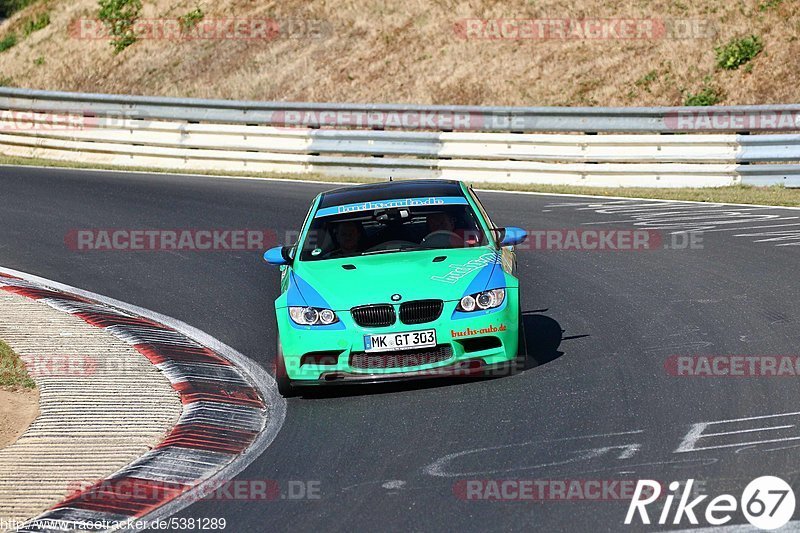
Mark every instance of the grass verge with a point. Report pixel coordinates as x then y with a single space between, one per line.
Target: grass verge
12 370
737 194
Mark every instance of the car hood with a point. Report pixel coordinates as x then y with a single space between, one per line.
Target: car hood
443 274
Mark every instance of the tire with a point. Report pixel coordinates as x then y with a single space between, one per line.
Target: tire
281 377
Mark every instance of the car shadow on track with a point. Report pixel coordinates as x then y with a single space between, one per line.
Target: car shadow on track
543 336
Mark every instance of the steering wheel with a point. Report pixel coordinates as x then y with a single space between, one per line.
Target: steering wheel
440 238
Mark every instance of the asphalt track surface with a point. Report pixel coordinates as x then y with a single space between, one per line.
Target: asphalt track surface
599 405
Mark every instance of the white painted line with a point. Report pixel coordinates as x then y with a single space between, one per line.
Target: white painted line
320 182
438 468
793 525
661 200
276 404
757 417
740 431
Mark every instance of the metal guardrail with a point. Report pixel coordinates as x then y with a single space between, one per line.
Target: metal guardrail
492 144
749 118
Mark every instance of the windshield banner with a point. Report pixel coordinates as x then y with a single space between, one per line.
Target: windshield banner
391 204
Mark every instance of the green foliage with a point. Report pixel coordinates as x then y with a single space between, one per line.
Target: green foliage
5 81
191 19
706 96
120 16
8 41
39 61
645 81
35 24
767 5
737 52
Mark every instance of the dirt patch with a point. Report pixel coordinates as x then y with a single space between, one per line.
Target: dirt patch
18 409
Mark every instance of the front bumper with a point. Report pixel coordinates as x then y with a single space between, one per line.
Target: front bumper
459 369
485 339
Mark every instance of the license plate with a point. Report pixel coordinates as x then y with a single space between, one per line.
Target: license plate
400 341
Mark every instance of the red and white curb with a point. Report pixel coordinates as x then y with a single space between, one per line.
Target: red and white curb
231 412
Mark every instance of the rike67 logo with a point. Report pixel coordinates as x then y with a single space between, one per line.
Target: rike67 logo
767 502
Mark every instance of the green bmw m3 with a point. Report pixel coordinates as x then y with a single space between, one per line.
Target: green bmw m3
396 281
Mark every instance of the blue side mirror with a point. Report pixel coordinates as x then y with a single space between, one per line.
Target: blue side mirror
280 255
512 236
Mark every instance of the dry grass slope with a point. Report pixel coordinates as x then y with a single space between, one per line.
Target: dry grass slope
409 51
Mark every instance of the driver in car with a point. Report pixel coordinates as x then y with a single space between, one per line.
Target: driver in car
442 225
440 222
348 237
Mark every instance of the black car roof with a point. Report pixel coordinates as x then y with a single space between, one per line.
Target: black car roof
390 190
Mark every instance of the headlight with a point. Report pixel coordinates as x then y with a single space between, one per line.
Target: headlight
312 316
482 301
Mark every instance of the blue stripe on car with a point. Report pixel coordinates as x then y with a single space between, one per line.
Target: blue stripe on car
301 294
489 277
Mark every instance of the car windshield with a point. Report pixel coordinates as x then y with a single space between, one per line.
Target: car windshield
397 229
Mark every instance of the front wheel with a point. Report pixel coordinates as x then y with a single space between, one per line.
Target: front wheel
281 377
